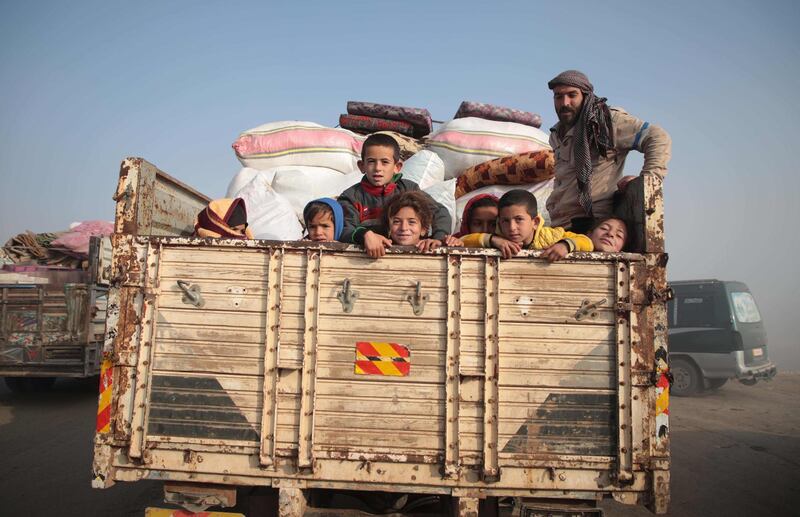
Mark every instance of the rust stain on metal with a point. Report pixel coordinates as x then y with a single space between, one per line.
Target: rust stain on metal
126 196
467 507
118 409
125 344
654 214
348 454
660 504
127 264
102 466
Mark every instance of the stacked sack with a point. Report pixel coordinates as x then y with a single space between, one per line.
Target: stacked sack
493 149
286 165
290 163
484 149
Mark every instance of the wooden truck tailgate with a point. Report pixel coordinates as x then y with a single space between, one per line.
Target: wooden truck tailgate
250 362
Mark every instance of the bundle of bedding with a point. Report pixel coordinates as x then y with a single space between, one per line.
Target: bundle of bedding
370 117
498 113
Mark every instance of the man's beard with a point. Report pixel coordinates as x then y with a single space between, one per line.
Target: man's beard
567 116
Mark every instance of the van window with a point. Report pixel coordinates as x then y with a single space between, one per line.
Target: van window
695 311
744 306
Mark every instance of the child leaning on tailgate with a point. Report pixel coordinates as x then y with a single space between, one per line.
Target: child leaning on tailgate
323 219
407 219
223 218
364 202
521 227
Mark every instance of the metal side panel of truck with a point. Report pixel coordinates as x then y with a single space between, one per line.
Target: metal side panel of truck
52 322
301 366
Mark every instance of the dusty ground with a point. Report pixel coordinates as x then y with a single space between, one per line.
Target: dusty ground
736 452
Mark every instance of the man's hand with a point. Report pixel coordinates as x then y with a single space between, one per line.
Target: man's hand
507 247
556 252
428 244
376 244
623 182
452 240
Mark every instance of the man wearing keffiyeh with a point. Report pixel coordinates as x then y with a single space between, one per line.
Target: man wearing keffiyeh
591 141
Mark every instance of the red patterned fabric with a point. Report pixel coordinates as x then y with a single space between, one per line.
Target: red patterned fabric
498 113
420 118
365 125
518 169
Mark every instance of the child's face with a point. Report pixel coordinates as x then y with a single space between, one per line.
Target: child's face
610 236
379 165
483 219
516 224
405 228
239 229
321 227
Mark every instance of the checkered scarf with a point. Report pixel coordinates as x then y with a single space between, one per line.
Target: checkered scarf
593 132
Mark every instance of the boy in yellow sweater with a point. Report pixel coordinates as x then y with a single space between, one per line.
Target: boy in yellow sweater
521 227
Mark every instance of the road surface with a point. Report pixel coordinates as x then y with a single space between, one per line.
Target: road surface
736 452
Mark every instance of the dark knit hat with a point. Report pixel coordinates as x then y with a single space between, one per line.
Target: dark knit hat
574 78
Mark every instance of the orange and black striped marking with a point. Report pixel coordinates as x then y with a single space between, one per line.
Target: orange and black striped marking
104 401
374 358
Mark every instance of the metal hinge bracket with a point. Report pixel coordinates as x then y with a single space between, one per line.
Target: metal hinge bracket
347 296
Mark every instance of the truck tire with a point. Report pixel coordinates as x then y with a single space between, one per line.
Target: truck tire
715 384
28 384
16 384
687 378
40 384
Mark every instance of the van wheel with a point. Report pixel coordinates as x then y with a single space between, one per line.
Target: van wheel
715 384
688 380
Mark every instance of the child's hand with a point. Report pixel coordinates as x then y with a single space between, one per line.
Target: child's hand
428 244
452 240
376 244
507 247
556 252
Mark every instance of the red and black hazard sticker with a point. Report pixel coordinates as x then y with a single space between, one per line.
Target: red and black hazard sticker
374 358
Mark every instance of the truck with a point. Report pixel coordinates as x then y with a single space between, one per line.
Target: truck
52 321
298 368
716 334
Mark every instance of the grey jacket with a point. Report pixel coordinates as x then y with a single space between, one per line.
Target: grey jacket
363 209
629 133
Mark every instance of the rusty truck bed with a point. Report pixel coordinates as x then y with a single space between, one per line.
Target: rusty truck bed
299 365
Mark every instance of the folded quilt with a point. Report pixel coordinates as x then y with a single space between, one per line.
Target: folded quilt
498 113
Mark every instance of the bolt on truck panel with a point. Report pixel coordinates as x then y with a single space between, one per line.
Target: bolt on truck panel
305 365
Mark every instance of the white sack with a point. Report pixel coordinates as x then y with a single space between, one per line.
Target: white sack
425 169
293 142
270 215
444 193
245 176
465 142
300 185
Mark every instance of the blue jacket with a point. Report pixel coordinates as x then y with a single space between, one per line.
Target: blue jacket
338 215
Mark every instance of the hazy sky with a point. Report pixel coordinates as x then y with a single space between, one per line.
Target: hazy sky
84 84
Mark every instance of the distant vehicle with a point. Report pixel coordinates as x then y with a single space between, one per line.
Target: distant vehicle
715 334
52 321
